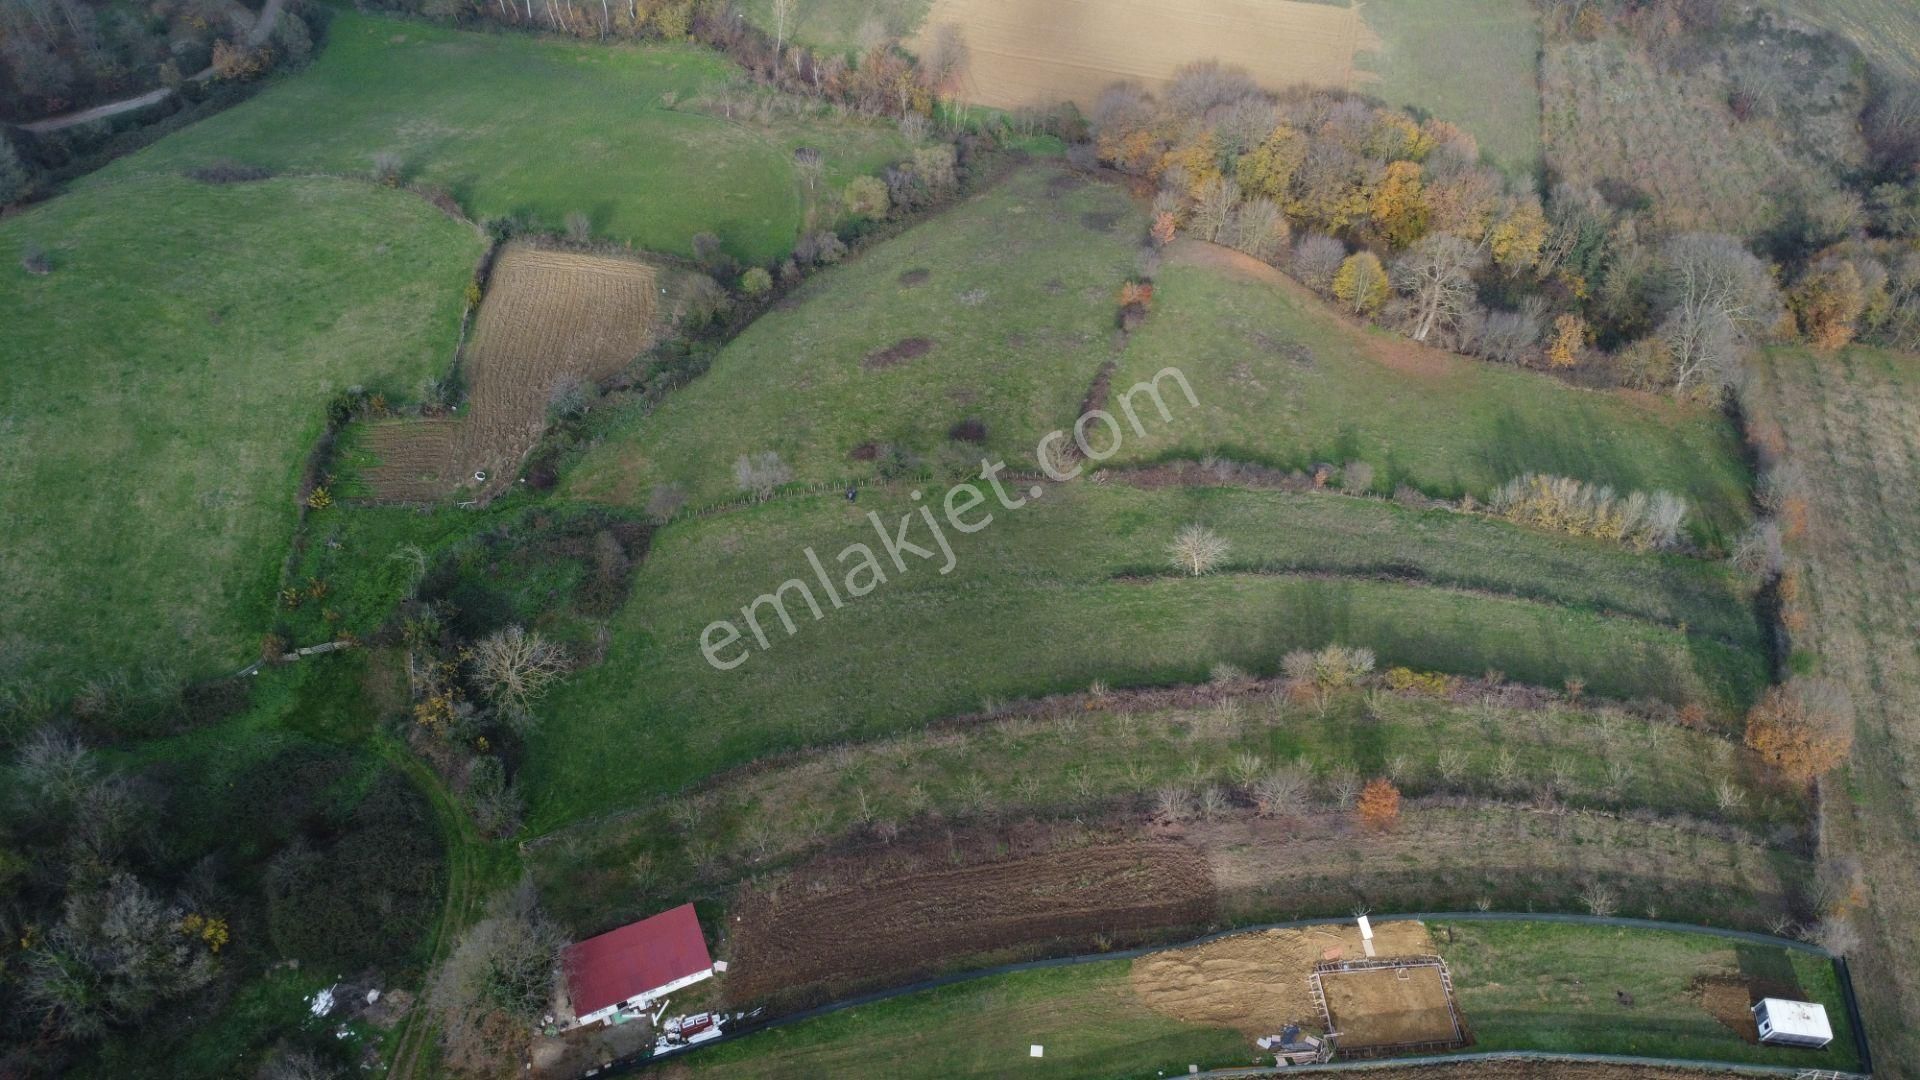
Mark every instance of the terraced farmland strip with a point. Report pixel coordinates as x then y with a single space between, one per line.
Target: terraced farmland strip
550 319
1029 609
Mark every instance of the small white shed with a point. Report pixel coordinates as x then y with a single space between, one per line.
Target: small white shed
1792 1023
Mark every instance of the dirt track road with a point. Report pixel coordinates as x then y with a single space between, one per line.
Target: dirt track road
262 29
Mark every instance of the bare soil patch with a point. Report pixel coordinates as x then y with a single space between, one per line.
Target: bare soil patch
1387 1007
1259 982
548 317
899 352
1727 1000
1025 53
912 278
970 430
841 922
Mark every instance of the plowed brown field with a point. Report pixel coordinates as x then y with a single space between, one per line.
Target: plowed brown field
549 316
1027 53
906 920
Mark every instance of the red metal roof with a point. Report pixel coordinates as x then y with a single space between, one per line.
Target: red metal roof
632 960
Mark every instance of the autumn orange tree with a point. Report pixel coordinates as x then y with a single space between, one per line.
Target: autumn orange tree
1379 805
1828 302
1804 729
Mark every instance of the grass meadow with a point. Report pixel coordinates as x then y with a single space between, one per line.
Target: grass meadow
515 124
169 378
1523 985
1283 381
1475 63
1019 301
1551 986
1035 605
1087 1017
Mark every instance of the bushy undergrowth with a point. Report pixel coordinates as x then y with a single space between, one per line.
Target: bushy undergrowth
1643 521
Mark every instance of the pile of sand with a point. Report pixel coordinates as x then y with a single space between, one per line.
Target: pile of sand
1257 982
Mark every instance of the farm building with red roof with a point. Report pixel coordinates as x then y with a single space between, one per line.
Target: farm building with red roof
628 969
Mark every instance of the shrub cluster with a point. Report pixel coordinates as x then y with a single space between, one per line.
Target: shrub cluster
1643 521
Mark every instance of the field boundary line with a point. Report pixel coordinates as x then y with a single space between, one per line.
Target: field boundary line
620 1068
1535 1055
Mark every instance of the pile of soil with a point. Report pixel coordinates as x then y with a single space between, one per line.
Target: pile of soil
1258 982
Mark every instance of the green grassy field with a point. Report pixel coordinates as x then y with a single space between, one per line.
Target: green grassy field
1087 1018
1533 986
1283 381
1548 986
1033 606
1475 63
511 123
1017 341
1019 303
172 373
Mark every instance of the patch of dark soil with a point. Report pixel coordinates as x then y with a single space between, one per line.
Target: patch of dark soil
1064 183
1727 1000
1100 220
1055 287
899 352
887 913
1132 317
916 277
866 451
543 472
971 430
1099 390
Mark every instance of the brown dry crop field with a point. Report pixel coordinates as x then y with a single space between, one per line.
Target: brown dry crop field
548 316
1026 53
1247 980
906 912
1852 423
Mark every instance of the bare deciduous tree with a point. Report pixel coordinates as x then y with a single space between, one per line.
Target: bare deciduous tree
1719 297
502 966
761 474
514 667
1197 550
944 61
1437 275
783 13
